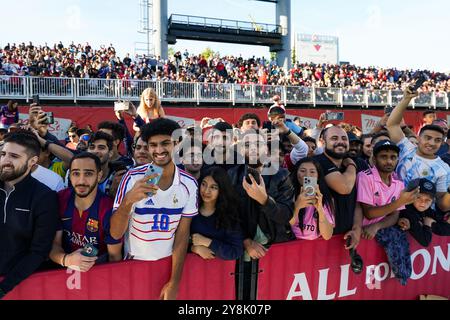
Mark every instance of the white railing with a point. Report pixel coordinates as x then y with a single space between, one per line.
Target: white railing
171 91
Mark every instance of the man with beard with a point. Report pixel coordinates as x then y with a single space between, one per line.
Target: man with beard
266 206
155 218
29 214
354 152
101 144
340 176
380 193
85 214
220 150
421 161
191 153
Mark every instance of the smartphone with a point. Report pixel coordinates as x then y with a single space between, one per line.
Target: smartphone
121 106
418 83
50 118
152 169
253 172
413 184
388 109
36 99
348 241
334 116
89 250
309 185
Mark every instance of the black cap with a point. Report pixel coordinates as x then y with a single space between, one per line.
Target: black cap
426 186
385 145
223 126
353 138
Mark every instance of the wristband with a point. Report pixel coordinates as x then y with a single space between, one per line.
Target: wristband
64 260
289 132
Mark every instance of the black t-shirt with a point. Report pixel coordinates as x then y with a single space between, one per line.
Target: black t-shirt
344 205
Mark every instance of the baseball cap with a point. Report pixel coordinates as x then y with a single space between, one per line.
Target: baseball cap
353 138
385 145
426 186
276 109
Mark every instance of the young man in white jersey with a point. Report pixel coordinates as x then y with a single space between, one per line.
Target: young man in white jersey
421 161
155 219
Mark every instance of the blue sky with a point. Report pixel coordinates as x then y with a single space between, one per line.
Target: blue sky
405 34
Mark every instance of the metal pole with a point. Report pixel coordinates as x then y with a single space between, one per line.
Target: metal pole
283 14
160 23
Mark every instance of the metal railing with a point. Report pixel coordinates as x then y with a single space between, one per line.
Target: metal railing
12 87
224 23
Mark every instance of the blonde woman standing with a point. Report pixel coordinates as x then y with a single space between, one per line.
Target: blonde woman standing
149 107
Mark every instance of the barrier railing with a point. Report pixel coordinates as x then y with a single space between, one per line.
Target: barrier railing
12 87
300 269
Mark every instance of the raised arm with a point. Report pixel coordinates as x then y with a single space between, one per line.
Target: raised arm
396 116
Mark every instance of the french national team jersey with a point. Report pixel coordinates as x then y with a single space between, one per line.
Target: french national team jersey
412 166
374 192
154 220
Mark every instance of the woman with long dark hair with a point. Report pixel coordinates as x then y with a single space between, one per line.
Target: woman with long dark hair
215 230
313 214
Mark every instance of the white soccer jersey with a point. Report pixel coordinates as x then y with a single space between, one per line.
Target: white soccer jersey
154 220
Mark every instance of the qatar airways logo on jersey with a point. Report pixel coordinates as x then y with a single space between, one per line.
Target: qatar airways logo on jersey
80 240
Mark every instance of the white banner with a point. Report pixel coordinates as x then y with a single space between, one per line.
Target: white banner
368 122
58 129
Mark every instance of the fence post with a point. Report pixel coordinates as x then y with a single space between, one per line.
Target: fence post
446 100
118 90
341 97
197 92
313 90
433 99
26 88
366 98
390 98
233 94
253 94
73 85
284 95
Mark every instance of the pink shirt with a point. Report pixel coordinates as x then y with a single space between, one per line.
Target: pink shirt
309 231
374 192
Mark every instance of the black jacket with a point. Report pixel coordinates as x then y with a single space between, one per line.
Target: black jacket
422 233
273 218
28 222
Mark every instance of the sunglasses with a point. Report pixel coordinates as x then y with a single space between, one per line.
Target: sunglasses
72 135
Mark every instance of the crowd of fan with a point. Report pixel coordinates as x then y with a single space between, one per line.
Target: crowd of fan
232 201
84 61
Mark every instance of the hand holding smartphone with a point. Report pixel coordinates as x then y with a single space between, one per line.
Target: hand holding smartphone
309 186
254 173
151 172
419 81
89 250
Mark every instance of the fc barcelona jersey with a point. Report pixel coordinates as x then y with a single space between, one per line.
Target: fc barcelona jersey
90 226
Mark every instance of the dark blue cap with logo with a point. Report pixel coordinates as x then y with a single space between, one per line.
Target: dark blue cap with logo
385 145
